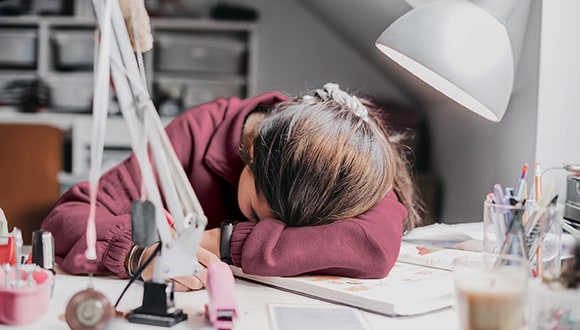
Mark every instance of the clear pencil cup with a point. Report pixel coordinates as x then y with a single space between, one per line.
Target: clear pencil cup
538 237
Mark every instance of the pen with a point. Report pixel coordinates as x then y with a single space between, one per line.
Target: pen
489 197
498 194
521 182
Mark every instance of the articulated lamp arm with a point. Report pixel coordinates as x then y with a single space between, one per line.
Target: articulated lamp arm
178 253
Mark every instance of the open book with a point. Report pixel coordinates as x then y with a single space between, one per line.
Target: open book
420 281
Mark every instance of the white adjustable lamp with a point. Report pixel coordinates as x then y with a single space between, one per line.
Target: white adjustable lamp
462 48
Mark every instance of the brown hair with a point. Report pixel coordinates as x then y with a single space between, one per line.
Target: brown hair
327 156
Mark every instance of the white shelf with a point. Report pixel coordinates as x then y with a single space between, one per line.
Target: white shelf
78 122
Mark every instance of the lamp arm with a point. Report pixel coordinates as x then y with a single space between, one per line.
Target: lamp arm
179 252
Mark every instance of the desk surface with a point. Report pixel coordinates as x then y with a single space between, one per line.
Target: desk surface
252 301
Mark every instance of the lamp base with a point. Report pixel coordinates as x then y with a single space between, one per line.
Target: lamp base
167 320
158 306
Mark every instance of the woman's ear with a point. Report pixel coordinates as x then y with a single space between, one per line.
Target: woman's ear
251 125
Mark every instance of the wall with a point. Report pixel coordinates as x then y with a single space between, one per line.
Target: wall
297 52
558 130
471 154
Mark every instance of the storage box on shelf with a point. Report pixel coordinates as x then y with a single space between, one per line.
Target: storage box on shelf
18 59
68 66
18 49
216 52
193 61
73 49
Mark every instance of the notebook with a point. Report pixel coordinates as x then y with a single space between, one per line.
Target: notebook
408 289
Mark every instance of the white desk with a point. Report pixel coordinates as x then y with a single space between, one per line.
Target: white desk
252 301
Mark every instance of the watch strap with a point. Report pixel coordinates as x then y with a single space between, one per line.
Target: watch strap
227 228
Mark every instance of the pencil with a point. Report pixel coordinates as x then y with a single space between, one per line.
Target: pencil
521 182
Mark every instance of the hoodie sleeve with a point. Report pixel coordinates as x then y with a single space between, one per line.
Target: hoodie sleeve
67 222
362 247
118 188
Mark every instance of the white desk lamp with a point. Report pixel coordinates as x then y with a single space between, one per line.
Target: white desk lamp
178 254
467 50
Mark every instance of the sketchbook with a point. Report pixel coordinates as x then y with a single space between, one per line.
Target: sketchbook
407 290
420 282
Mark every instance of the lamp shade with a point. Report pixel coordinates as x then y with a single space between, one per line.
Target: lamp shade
460 49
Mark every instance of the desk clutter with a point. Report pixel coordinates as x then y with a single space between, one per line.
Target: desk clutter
24 293
531 228
27 282
25 286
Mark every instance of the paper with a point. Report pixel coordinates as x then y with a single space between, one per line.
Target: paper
465 236
431 256
315 317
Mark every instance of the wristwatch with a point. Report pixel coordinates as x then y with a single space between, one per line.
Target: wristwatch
227 229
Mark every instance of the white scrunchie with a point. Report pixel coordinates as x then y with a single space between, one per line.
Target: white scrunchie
332 90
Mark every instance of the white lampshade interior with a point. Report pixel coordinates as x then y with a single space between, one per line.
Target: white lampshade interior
458 48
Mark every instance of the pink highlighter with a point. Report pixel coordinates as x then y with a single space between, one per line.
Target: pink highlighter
24 293
221 311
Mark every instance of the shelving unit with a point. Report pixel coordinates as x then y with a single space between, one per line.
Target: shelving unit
192 62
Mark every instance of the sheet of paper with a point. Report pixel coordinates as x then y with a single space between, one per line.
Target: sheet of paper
315 317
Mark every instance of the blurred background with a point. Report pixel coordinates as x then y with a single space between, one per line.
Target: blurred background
206 49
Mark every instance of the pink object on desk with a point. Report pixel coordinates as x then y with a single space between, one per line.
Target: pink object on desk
7 253
28 302
221 309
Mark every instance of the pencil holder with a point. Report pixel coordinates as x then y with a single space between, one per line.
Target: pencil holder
24 295
529 230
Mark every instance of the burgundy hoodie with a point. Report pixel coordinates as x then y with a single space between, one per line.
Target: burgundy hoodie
206 141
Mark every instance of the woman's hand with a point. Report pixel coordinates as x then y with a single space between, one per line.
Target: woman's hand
147 273
196 282
187 282
211 240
